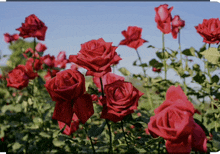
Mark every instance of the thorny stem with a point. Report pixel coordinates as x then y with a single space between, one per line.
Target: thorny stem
164 62
90 138
124 134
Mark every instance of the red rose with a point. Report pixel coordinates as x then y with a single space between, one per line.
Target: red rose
61 60
50 74
18 77
73 127
163 18
9 38
64 88
48 60
177 24
37 63
209 30
33 27
156 69
40 47
132 37
121 99
29 69
96 56
107 79
174 122
94 97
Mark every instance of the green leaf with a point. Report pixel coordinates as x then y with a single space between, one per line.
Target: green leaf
189 52
163 56
200 78
16 146
44 134
58 143
135 63
215 79
124 71
150 46
95 130
196 67
143 65
155 63
212 55
40 81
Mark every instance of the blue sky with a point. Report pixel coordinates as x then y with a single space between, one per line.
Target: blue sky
73 23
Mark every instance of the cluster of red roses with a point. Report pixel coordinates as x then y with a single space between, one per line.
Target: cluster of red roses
174 122
19 76
164 20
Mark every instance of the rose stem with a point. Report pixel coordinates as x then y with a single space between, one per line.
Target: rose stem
141 63
90 138
148 94
124 134
184 79
107 121
164 60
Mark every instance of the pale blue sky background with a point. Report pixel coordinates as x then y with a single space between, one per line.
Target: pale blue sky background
73 23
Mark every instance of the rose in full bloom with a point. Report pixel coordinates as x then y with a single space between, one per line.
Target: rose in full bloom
61 60
40 47
18 78
33 27
73 127
177 24
48 60
65 88
9 38
163 18
174 122
121 99
132 37
107 79
96 56
209 30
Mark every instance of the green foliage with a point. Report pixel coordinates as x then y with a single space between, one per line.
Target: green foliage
212 55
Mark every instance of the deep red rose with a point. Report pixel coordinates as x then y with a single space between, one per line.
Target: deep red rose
121 99
48 60
9 38
96 56
18 77
177 24
40 47
0 76
94 97
73 127
132 37
107 79
33 27
209 30
156 69
64 88
163 18
37 63
174 122
29 68
61 60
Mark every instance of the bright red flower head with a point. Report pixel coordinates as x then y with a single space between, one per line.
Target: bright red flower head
163 18
9 38
177 24
61 60
121 99
48 60
33 27
209 30
40 47
96 56
132 37
154 69
30 53
18 77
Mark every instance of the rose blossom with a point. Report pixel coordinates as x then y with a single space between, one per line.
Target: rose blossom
61 60
106 79
121 99
209 30
9 38
18 78
163 18
174 122
40 47
48 60
96 56
33 27
177 24
132 37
